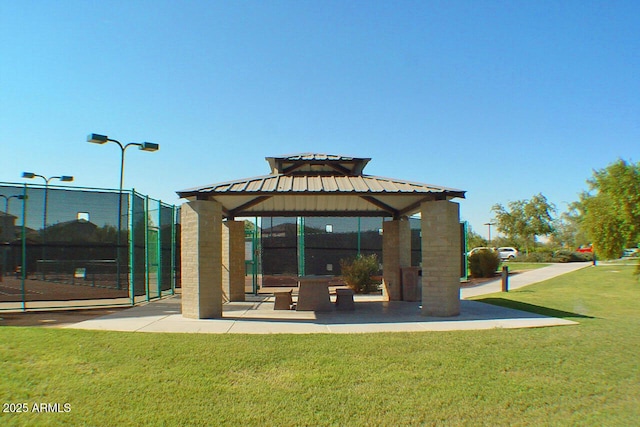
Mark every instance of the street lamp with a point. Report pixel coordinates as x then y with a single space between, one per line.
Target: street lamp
489 224
144 146
63 178
5 229
8 198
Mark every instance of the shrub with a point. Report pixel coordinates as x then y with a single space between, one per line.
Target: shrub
357 273
563 255
582 256
484 263
535 257
566 255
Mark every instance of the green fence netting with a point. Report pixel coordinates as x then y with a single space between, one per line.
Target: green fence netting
315 245
70 247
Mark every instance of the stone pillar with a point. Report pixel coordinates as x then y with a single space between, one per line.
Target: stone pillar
233 260
201 259
440 258
396 253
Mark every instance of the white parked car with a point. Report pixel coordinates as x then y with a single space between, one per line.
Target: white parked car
474 250
507 253
631 252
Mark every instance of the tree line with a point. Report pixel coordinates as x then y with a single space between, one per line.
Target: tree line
607 215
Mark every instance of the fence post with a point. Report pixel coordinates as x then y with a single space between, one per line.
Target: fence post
300 251
174 218
159 250
132 266
23 267
146 247
255 255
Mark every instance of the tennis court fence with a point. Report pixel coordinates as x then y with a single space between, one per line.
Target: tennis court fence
81 247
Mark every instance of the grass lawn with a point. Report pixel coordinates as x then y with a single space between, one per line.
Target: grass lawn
621 261
572 375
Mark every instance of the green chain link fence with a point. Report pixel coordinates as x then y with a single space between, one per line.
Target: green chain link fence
296 246
61 247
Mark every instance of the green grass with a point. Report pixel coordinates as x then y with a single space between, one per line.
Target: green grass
572 375
621 261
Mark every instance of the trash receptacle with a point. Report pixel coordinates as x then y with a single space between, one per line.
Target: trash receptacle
410 283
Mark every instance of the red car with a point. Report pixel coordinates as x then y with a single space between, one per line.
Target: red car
585 249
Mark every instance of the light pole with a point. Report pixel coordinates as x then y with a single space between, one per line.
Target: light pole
8 198
144 146
63 178
489 224
5 229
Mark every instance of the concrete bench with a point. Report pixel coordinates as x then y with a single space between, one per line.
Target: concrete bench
344 299
284 300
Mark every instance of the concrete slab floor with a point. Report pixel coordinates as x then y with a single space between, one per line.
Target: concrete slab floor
371 314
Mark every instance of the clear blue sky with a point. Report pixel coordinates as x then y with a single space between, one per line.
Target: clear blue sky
503 99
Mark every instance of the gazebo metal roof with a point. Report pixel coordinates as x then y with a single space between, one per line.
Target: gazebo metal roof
313 184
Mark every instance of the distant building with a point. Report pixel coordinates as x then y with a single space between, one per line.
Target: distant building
8 231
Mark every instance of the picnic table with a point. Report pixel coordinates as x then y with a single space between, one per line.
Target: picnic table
313 293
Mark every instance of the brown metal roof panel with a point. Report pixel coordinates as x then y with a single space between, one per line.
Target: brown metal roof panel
318 203
299 183
239 187
353 203
255 185
321 184
344 184
329 183
289 203
270 183
285 183
405 187
314 183
373 185
388 186
231 201
424 187
221 188
358 184
313 156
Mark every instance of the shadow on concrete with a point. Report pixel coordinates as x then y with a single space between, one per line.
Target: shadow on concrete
378 312
258 316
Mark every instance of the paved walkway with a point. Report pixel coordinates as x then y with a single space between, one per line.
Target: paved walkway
257 316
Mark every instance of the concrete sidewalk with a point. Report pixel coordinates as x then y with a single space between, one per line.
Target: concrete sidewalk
372 314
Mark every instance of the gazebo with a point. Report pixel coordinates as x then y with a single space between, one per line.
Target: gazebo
310 184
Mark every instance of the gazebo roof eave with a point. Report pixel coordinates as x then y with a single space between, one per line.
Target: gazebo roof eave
389 186
394 205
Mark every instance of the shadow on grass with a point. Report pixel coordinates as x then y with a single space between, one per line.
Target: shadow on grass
545 311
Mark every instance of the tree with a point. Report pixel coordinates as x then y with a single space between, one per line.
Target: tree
249 227
474 240
567 232
610 210
525 219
